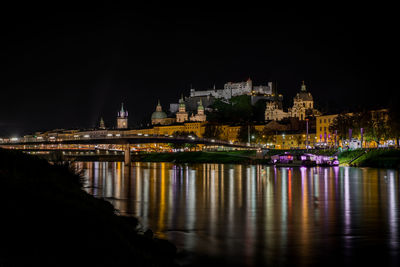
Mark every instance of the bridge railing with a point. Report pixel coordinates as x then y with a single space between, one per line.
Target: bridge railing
85 137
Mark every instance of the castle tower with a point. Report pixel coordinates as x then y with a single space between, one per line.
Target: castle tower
102 125
182 115
122 119
249 82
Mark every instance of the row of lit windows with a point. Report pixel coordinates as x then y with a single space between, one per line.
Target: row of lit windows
320 120
298 143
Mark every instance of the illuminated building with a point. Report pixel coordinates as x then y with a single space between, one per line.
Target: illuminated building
160 117
231 89
303 106
234 89
287 140
196 127
380 114
324 135
182 115
122 119
274 112
200 116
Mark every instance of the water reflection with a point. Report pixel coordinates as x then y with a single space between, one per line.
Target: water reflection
252 215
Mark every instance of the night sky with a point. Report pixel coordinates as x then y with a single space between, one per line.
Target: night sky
66 68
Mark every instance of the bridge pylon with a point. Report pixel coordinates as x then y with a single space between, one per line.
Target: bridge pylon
127 155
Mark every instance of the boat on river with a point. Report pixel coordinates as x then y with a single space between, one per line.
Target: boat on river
327 161
306 160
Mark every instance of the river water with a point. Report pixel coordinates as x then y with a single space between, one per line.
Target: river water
252 215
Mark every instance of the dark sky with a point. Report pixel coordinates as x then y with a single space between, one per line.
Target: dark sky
65 68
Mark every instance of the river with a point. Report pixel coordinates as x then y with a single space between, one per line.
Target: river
252 215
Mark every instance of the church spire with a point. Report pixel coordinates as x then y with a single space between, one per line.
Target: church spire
122 113
200 105
181 101
122 119
102 125
303 87
158 108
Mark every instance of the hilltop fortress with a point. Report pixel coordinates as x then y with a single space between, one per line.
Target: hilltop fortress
235 89
231 89
193 107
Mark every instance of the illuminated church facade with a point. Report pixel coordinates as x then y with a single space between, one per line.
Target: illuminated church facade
122 118
303 106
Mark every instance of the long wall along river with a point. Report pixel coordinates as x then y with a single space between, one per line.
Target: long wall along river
253 214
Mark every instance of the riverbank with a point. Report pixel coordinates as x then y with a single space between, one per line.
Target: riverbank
48 220
378 158
228 157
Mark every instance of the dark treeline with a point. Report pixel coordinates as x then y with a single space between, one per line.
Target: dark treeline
238 110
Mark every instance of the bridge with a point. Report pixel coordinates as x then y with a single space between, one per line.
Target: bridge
41 144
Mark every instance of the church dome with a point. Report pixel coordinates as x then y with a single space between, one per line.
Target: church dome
158 115
200 106
305 96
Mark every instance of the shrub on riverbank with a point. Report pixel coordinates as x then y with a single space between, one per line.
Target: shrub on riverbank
47 220
379 158
348 155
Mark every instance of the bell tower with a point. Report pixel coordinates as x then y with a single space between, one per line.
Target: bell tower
122 118
182 115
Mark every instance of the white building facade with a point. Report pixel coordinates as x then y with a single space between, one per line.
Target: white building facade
273 112
235 89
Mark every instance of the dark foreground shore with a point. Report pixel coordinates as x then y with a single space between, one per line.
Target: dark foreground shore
48 220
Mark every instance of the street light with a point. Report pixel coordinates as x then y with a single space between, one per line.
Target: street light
307 134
